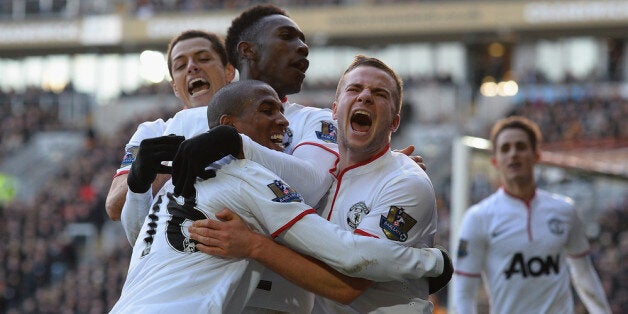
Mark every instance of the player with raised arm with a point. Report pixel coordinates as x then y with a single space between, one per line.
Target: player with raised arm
523 241
198 65
168 274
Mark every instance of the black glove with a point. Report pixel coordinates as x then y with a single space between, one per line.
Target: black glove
198 152
437 283
147 163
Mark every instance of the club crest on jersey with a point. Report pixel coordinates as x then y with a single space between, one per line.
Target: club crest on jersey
556 226
356 213
284 192
129 156
462 248
328 132
397 224
287 137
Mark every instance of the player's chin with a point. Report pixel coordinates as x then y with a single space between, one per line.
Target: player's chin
278 146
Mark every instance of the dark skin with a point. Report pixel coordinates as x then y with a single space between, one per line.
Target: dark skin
279 36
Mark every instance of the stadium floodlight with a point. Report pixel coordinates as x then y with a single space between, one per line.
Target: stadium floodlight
153 66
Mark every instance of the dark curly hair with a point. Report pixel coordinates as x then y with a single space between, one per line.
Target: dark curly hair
217 44
243 28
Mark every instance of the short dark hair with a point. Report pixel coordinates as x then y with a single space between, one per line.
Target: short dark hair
361 60
241 28
231 100
517 122
217 45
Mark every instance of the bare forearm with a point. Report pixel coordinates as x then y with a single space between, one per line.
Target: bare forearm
159 182
116 197
117 194
307 272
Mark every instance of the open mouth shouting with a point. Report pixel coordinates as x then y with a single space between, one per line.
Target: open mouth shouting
361 121
198 86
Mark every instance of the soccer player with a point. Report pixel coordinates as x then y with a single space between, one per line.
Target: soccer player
198 65
168 274
376 193
524 242
263 43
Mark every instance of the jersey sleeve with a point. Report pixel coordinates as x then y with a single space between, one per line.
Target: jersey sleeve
465 294
472 244
577 243
134 212
368 257
318 129
276 205
405 212
188 122
145 130
259 196
307 170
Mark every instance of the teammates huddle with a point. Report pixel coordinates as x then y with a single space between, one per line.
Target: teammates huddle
273 206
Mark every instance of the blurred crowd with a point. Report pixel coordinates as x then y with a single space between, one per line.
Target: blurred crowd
45 267
48 269
20 9
21 114
578 120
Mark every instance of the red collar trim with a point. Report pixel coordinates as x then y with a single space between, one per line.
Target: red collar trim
527 202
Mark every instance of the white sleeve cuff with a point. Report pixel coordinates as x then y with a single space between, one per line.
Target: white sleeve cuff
134 212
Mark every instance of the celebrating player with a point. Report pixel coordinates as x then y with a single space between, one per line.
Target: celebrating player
383 195
197 63
168 274
525 242
264 43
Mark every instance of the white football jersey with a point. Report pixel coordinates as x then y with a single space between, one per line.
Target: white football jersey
387 197
167 274
188 123
519 250
310 128
148 129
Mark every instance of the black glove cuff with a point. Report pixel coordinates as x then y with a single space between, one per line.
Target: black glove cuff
136 183
228 140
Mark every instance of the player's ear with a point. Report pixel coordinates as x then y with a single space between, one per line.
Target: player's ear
226 119
229 73
246 50
395 123
174 89
334 108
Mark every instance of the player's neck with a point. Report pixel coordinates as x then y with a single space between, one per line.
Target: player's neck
524 191
351 157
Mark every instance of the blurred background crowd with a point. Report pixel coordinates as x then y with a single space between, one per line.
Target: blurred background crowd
60 253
